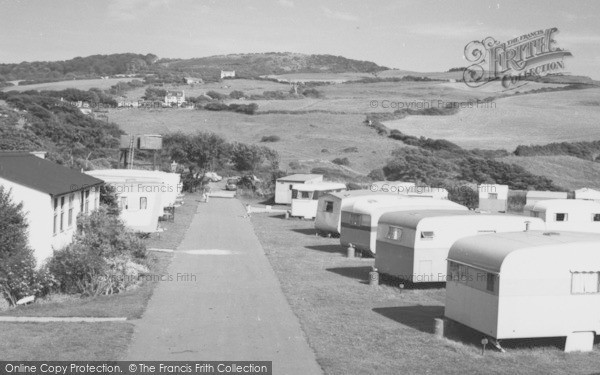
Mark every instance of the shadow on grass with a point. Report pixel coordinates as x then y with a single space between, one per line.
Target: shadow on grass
397 282
359 273
332 249
421 318
307 231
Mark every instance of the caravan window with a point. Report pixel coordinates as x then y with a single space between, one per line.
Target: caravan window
123 203
355 219
493 196
305 195
584 282
491 282
328 206
294 194
143 203
561 217
394 233
453 271
428 235
595 217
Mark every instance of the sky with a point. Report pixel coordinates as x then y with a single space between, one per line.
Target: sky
424 35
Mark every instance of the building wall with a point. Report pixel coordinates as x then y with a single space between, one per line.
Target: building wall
37 207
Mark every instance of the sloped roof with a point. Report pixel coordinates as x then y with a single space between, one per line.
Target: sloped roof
42 175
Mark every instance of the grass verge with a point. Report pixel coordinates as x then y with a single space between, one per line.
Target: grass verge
357 329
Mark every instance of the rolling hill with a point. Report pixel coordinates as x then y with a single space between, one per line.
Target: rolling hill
261 64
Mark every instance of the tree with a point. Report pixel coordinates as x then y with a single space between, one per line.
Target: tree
18 277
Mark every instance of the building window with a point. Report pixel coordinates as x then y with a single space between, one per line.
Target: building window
123 203
595 217
427 235
328 206
305 194
561 217
491 282
62 213
354 219
394 233
143 203
493 196
71 204
86 207
584 282
55 227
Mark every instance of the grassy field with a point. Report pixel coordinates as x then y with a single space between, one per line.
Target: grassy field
358 329
566 171
524 119
303 136
81 84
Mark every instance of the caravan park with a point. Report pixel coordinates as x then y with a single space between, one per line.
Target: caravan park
397 189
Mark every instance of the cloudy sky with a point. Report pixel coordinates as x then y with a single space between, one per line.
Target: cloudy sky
424 36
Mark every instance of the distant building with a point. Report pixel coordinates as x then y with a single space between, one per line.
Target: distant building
174 98
150 104
493 198
192 80
227 74
52 197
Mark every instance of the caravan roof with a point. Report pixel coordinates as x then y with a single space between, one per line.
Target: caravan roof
319 186
488 252
411 219
300 177
385 203
546 194
564 205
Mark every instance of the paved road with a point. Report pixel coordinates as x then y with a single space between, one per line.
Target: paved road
234 309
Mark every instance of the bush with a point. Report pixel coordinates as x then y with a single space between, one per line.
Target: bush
236 94
377 175
216 95
350 149
312 93
101 258
295 165
341 161
18 275
270 138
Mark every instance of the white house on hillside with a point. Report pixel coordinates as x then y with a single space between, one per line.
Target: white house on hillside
227 74
52 197
175 98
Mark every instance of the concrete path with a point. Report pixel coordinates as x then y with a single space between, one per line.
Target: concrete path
224 303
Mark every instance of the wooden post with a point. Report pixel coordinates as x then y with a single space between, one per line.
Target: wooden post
439 327
350 251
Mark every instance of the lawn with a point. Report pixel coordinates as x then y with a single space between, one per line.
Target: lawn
358 329
64 341
92 341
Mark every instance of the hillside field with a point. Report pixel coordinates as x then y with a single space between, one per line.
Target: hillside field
80 84
522 119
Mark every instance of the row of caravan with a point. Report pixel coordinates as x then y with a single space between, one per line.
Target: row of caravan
506 276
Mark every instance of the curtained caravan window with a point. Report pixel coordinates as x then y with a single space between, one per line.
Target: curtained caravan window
584 282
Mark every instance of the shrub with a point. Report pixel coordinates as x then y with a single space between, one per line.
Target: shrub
101 258
325 151
312 93
270 138
350 149
341 161
295 164
236 94
216 95
377 175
